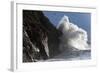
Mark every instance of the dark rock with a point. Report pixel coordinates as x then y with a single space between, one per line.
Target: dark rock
39 33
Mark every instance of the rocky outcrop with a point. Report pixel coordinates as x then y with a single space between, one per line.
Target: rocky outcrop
40 37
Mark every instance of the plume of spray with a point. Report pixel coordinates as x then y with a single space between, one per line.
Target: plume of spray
74 37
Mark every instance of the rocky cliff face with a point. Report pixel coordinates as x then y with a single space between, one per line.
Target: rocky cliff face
40 37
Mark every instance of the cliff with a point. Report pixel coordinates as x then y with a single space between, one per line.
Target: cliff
40 37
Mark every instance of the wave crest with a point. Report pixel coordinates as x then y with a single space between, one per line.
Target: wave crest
73 36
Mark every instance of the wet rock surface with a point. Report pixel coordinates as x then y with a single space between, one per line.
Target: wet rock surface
40 37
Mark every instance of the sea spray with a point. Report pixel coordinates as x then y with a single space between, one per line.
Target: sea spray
74 37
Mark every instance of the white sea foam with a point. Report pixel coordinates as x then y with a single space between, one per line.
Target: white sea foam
73 36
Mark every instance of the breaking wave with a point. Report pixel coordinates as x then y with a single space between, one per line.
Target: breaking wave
74 37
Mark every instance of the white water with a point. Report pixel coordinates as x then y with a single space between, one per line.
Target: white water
73 36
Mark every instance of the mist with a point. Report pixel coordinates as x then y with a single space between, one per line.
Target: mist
73 37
